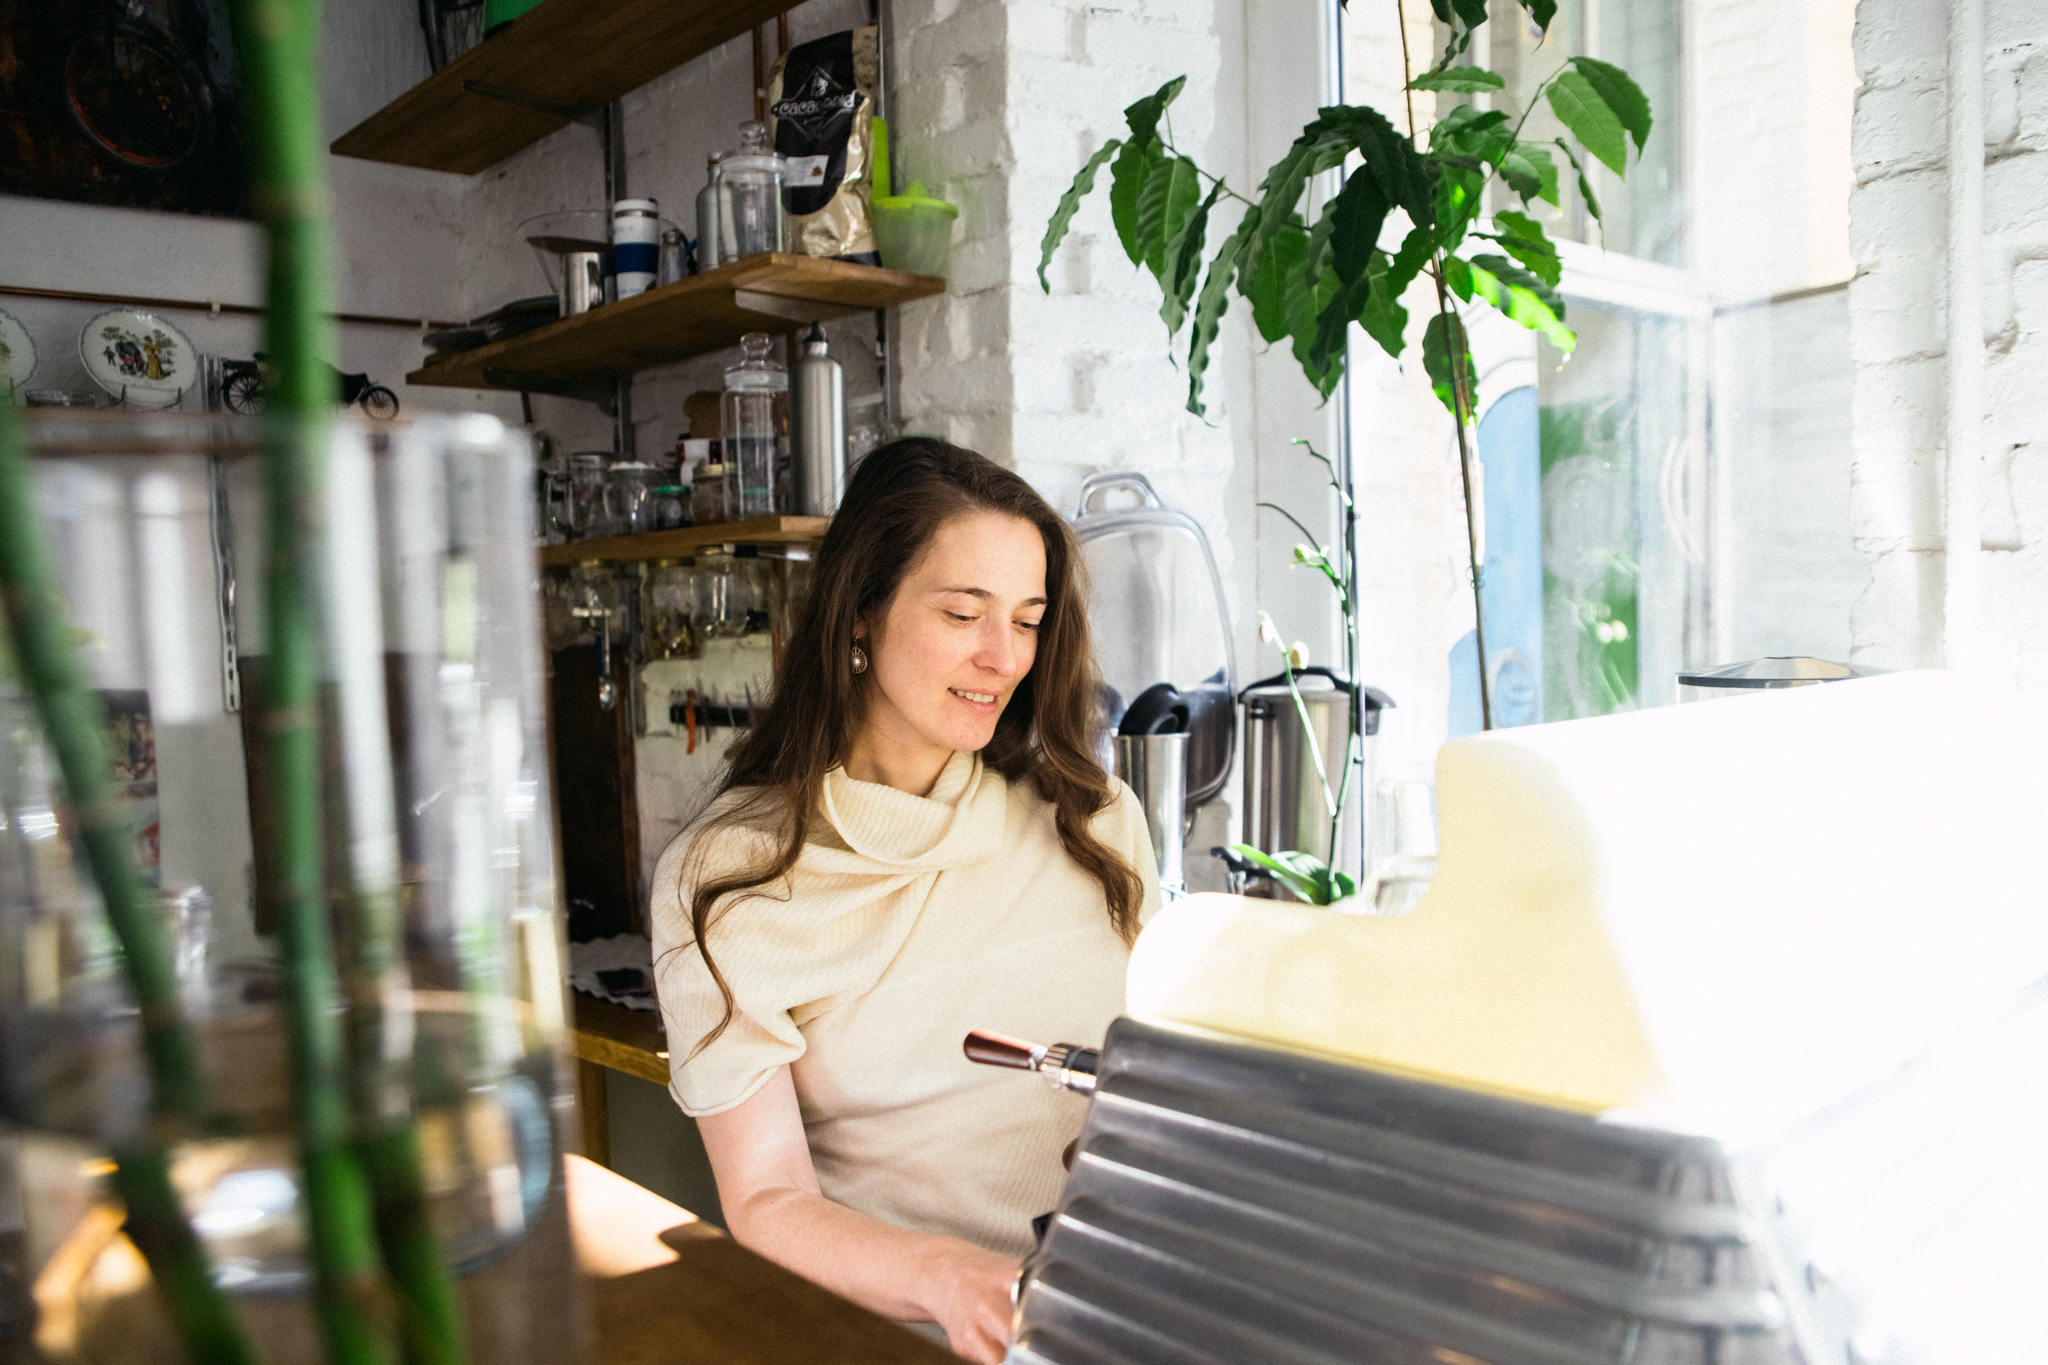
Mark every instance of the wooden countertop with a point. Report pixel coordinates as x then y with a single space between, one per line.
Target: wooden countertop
660 1287
665 1288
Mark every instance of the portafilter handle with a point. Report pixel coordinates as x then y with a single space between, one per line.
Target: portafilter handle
1066 1065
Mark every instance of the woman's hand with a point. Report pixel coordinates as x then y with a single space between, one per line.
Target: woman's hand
768 1189
970 1298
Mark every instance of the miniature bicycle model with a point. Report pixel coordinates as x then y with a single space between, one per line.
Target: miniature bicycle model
242 389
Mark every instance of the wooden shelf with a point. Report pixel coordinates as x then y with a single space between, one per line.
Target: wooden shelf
771 292
557 62
690 540
624 1040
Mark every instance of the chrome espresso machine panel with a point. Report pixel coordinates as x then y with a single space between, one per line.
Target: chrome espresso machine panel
1230 1203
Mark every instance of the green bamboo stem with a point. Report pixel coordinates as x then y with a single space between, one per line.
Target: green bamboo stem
275 42
205 1320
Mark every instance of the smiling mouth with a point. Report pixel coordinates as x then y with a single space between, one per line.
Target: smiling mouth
984 698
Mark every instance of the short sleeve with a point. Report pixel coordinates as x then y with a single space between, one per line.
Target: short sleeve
760 1035
788 951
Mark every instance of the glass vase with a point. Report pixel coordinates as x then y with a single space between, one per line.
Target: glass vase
432 793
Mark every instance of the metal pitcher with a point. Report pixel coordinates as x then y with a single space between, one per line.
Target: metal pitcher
1284 805
1156 768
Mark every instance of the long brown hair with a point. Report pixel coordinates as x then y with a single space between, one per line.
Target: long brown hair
896 501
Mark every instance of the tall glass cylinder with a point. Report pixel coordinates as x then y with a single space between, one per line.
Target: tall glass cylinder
430 708
751 181
754 426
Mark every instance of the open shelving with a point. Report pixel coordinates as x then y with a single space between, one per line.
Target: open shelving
558 62
689 540
771 292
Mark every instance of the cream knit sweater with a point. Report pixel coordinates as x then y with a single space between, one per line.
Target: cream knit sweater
906 922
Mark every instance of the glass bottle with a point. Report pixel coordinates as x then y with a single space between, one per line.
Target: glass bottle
752 181
754 426
709 216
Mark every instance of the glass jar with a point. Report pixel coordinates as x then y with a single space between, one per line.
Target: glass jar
750 181
671 506
584 510
672 265
754 426
866 428
707 493
667 612
717 596
629 497
431 692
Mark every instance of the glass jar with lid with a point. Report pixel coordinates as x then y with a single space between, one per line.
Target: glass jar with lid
629 497
707 493
754 426
750 181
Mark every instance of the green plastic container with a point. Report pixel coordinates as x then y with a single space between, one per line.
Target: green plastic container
913 231
498 13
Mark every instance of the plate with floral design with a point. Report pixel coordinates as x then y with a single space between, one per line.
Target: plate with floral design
17 353
138 357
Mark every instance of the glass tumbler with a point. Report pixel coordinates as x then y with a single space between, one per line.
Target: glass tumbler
754 426
667 612
430 702
585 513
629 503
717 597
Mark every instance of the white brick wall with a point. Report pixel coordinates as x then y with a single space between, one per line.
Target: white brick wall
1898 238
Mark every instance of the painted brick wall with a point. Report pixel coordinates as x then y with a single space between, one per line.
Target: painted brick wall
1898 238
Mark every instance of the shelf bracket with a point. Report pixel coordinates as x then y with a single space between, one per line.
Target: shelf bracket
590 114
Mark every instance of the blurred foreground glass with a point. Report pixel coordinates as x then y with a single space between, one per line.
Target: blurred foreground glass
431 708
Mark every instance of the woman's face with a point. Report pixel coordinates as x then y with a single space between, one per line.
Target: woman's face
959 635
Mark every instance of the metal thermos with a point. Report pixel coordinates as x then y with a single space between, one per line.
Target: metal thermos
818 397
1284 806
1155 766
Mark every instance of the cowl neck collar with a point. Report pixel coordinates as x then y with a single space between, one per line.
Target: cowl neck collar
959 822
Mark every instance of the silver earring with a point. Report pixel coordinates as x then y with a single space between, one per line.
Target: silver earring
860 659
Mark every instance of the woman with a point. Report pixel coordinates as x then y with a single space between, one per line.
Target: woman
913 842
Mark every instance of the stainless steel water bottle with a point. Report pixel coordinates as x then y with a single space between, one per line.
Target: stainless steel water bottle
819 400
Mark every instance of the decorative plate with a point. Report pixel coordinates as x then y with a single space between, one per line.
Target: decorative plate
17 351
138 357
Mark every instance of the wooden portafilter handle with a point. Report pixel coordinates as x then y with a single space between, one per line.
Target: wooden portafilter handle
1067 1065
1000 1049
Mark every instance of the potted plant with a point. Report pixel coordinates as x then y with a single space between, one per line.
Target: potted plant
1308 282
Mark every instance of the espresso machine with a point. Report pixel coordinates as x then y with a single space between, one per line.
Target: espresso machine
1720 1038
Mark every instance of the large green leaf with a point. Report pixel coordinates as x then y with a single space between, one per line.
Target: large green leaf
1184 262
1621 94
1523 238
1070 204
1403 174
1361 211
1542 11
1407 263
1472 13
1325 363
1527 167
1480 133
1585 185
1444 336
1458 277
1523 297
1172 188
1382 315
1462 79
1210 305
1597 127
1262 277
1143 116
1305 884
1127 179
1304 295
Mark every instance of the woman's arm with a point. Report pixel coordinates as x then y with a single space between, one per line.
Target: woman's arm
769 1192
